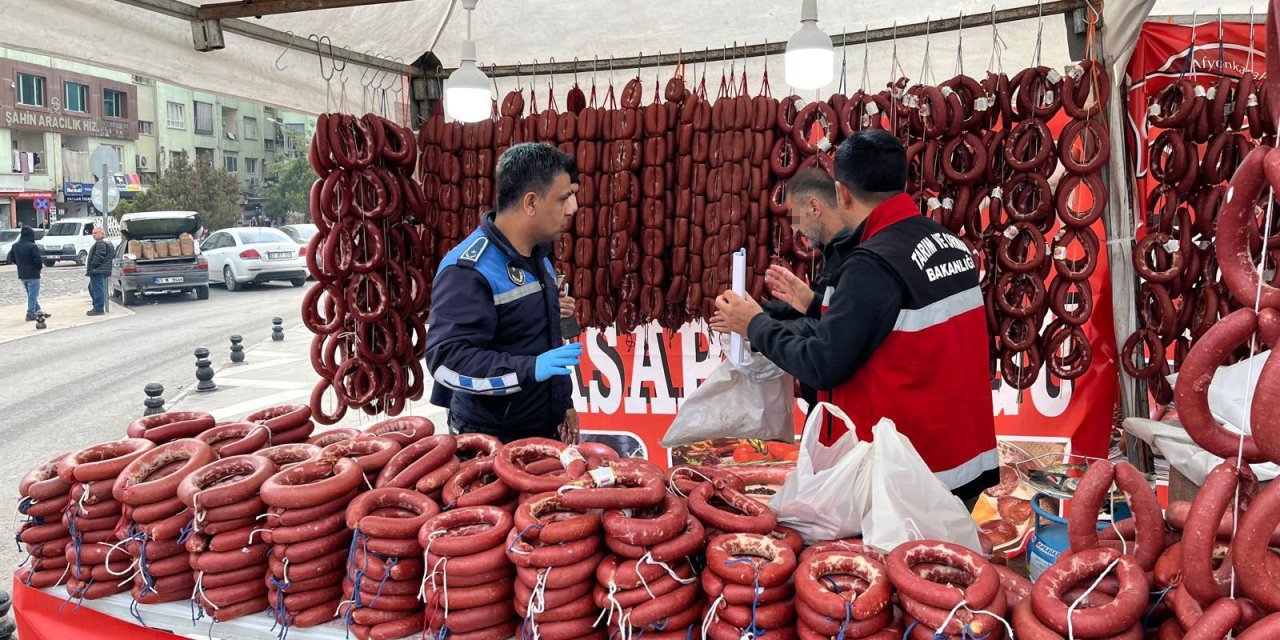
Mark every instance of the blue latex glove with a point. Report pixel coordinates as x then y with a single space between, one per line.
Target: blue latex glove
556 362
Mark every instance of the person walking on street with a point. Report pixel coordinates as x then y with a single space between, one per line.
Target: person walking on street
26 254
495 347
99 267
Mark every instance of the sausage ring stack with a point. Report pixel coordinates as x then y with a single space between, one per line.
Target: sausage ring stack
556 551
45 497
285 424
424 465
843 593
956 593
386 523
170 425
93 515
369 307
227 552
469 583
370 453
753 575
309 537
155 517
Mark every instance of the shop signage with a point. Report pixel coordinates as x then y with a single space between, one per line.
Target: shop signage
65 123
33 195
76 191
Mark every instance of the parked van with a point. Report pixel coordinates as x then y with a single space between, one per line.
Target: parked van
71 238
158 254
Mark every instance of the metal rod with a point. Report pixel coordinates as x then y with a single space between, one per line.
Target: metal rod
776 48
259 8
183 11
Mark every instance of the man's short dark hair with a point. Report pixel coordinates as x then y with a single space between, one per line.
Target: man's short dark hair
872 165
531 166
813 181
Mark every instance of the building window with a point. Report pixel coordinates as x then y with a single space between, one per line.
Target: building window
204 118
250 128
251 166
229 162
143 80
113 103
176 157
75 97
177 116
30 90
147 128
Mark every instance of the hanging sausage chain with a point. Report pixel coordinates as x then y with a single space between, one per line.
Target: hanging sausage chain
669 190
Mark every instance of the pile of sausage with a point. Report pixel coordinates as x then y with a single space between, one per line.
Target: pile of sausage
368 311
393 529
1205 138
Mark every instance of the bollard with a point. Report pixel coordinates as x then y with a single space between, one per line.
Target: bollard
277 329
40 318
204 372
154 401
237 349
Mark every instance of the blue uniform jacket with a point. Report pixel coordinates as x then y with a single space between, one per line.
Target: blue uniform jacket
493 312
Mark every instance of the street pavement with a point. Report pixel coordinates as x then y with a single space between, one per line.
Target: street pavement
65 279
64 390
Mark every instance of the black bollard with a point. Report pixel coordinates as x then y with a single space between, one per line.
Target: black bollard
154 401
277 329
204 372
40 318
237 349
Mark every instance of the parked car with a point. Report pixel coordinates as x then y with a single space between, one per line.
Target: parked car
8 238
146 261
242 255
71 238
301 233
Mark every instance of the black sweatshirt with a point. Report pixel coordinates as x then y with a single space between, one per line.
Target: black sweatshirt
825 354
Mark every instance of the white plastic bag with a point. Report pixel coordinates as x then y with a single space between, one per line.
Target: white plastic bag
755 399
908 502
827 495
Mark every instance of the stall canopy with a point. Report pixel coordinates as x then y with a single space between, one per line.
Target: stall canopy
143 36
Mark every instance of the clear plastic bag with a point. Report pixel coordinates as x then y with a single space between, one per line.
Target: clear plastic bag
830 490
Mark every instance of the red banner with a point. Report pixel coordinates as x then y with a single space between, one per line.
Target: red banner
1168 52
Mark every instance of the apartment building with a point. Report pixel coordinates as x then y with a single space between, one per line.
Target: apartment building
54 113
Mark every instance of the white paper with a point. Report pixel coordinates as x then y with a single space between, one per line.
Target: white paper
736 340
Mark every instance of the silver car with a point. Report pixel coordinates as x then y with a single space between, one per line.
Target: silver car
8 238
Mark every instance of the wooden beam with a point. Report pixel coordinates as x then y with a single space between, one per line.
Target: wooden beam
183 11
691 56
258 8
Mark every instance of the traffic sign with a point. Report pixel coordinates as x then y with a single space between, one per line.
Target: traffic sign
101 156
112 199
41 204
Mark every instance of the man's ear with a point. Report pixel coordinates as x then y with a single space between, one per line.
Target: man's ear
815 206
843 196
529 203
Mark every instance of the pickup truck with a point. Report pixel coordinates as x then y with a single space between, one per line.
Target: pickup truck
158 254
71 239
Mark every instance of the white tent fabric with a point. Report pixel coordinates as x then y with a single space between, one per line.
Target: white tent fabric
117 35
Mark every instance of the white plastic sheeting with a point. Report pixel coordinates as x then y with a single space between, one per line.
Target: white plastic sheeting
118 35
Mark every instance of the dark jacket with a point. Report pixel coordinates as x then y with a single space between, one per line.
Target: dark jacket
100 256
833 256
493 311
905 338
26 254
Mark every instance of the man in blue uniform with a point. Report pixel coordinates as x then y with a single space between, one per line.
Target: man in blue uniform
494 345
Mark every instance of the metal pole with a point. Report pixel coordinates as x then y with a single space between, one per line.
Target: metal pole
106 205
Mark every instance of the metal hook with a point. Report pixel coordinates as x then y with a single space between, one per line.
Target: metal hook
519 79
320 56
533 77
292 37
551 81
575 71
638 59
364 75
594 63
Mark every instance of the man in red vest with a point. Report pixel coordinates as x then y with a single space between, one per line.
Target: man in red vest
905 335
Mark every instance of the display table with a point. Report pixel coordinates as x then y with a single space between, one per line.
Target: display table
45 614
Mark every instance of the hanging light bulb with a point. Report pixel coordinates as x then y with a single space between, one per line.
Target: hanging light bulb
810 58
466 94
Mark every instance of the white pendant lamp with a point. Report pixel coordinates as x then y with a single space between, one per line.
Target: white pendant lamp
467 97
810 58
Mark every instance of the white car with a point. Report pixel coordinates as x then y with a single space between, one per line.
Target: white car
241 255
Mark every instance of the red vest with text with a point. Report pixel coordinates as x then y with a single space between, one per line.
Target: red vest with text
930 375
